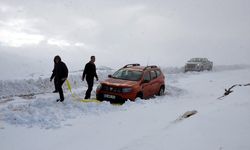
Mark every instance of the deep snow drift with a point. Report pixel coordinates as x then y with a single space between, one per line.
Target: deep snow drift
38 122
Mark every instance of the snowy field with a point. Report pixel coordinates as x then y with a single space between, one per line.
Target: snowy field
31 119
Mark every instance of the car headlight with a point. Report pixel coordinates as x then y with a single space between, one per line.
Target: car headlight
126 90
99 87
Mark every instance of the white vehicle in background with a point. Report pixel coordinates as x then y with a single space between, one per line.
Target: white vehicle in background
198 64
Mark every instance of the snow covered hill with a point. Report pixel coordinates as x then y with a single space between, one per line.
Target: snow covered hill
38 122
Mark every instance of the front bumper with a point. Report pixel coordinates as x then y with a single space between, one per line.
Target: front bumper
115 97
193 68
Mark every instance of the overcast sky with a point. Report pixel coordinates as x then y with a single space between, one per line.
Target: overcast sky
161 32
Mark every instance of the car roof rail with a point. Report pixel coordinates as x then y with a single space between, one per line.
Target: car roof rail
131 65
149 67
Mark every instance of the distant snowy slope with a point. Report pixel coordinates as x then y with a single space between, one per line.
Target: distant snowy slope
216 68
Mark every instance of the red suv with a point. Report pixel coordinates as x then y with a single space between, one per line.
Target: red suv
130 82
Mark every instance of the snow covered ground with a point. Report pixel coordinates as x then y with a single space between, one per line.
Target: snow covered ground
29 120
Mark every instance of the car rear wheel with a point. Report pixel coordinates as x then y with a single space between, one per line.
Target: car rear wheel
161 91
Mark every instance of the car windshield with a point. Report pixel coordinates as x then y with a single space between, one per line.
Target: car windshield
196 60
126 74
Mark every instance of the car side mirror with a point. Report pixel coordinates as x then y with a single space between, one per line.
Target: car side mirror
110 76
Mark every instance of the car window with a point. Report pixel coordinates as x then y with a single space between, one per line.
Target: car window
158 73
126 74
153 74
146 76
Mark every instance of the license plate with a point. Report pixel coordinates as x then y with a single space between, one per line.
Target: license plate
109 96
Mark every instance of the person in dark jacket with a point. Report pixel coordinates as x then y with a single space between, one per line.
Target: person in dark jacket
60 73
90 73
53 76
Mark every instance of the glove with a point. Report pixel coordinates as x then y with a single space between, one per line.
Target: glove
97 79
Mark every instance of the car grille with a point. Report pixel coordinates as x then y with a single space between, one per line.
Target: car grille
111 89
190 66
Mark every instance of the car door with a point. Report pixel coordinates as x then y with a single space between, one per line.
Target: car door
146 85
154 83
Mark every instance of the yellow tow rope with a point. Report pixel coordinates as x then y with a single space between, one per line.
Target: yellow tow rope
77 98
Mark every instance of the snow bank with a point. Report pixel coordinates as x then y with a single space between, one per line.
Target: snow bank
47 113
33 86
43 111
24 87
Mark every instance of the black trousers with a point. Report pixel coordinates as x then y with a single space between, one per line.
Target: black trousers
59 84
90 82
55 82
